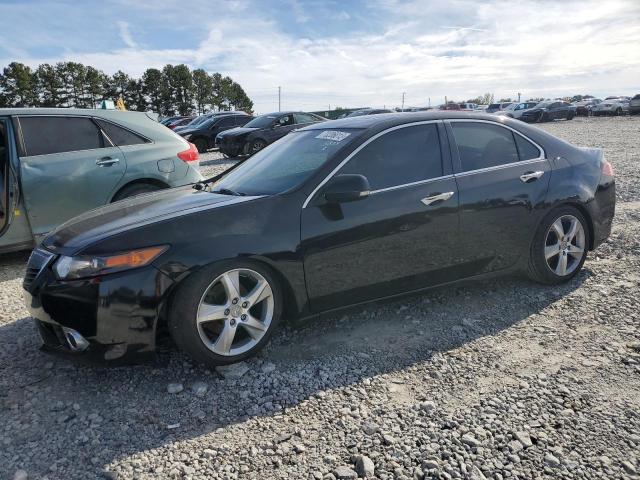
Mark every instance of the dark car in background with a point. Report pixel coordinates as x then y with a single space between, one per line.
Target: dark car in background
548 111
368 111
168 120
179 123
263 131
496 107
203 135
634 104
333 215
206 116
584 107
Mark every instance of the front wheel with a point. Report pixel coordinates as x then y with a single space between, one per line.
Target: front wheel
201 145
226 312
619 112
256 146
559 248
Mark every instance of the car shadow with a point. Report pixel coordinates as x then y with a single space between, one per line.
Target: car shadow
127 410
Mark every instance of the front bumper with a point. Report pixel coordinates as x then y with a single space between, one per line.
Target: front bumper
116 314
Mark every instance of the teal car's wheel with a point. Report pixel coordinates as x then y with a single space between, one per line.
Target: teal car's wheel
135 189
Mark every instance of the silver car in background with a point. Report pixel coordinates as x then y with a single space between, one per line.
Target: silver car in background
515 110
611 106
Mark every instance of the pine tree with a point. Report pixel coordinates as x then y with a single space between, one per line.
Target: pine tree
18 85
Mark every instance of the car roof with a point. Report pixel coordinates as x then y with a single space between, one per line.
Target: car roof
277 114
387 120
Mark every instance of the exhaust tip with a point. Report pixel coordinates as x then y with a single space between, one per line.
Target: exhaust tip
75 341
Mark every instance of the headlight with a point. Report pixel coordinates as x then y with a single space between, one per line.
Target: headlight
68 268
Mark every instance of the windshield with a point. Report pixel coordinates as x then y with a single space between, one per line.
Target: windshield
286 163
198 120
512 106
261 121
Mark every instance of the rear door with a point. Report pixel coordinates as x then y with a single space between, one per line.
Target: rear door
67 166
503 180
402 237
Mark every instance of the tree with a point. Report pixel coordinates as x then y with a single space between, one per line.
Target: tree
95 86
152 88
49 85
18 85
238 99
202 89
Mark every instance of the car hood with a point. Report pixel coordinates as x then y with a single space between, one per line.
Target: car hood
237 132
187 131
94 225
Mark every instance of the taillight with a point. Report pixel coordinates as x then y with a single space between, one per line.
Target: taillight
190 155
607 169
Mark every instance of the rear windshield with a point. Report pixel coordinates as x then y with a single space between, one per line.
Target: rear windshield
286 163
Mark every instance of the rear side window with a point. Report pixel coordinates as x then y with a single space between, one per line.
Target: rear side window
482 145
406 155
120 136
526 149
304 118
227 121
48 135
242 119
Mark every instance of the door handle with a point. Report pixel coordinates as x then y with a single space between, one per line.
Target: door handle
438 197
107 161
528 177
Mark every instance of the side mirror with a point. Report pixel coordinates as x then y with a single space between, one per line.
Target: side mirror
346 188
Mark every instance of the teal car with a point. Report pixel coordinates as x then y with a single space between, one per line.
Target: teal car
58 163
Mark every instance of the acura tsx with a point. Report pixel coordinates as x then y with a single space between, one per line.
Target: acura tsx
333 215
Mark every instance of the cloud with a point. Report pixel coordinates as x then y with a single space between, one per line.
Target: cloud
538 48
125 34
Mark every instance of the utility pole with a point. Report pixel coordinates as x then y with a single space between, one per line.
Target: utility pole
403 94
518 97
279 98
429 102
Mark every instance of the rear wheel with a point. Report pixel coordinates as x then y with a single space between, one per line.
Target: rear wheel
559 248
618 111
135 189
226 312
201 144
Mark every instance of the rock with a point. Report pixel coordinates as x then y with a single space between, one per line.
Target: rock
430 464
174 388
628 467
233 371
299 448
344 473
551 460
515 446
634 346
268 367
364 466
524 438
470 440
369 428
428 406
20 475
476 474
388 439
199 389
282 438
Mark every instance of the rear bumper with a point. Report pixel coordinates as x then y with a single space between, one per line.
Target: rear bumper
117 322
602 211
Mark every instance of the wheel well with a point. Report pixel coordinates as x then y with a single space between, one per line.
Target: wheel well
141 181
587 216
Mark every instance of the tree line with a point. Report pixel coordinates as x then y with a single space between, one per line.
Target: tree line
173 90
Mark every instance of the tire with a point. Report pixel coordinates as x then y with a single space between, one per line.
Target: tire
542 118
619 112
136 189
248 328
549 271
201 145
570 117
256 145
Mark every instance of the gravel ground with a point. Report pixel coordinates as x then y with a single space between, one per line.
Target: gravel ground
503 380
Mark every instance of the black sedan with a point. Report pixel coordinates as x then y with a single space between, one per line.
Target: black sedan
333 215
263 131
203 135
548 111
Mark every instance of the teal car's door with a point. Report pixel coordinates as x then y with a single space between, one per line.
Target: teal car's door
67 166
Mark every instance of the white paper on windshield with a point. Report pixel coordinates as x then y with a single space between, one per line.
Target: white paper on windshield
333 135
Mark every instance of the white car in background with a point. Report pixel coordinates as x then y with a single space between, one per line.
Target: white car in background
611 106
515 110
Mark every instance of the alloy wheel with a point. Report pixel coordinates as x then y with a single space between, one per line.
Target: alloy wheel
565 245
235 312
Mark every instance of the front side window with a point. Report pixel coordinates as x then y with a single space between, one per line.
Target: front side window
482 145
120 136
285 120
286 163
406 155
47 135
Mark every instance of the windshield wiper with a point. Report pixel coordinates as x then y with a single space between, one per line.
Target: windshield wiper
228 191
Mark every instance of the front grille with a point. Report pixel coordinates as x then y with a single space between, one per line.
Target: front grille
38 260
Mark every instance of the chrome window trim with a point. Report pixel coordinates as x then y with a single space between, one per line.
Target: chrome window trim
352 154
542 155
404 185
499 167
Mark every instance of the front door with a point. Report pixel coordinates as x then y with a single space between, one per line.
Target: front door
67 167
503 180
400 238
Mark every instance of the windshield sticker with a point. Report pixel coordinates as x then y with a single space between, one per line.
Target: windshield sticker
333 135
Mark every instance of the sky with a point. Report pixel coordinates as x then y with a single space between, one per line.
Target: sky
350 53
